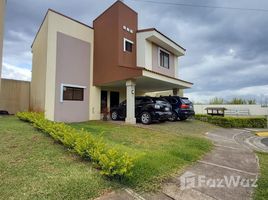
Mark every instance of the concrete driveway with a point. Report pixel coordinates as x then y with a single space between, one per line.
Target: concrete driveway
228 172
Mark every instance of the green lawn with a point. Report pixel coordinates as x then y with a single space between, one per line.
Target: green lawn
33 166
159 149
261 193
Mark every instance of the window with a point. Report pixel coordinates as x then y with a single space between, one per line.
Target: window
128 45
72 93
163 58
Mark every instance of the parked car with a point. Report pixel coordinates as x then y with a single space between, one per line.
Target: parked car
182 108
147 110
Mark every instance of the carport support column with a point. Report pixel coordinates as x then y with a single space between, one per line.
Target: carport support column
130 86
177 92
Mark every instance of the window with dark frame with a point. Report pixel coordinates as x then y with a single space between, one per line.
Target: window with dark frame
73 94
128 46
164 59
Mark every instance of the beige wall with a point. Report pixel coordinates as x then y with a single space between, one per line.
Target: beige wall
58 23
73 68
15 96
39 66
2 13
156 64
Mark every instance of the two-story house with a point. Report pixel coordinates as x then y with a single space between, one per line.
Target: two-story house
79 70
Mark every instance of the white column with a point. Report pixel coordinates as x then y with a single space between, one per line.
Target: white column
130 86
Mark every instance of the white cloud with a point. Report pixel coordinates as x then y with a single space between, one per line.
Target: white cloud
14 72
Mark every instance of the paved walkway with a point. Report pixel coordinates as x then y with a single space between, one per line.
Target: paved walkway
232 159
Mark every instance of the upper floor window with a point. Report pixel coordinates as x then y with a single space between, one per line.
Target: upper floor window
128 45
163 58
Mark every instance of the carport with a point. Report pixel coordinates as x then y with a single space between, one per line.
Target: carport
149 82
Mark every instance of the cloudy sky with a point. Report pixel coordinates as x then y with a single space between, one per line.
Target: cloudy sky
227 49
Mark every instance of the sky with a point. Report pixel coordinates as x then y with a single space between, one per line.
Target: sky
227 49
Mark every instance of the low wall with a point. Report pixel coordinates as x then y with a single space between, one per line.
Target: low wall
14 96
255 110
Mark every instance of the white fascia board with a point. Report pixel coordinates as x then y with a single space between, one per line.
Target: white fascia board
181 84
163 42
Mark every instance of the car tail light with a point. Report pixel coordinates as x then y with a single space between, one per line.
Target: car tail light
184 106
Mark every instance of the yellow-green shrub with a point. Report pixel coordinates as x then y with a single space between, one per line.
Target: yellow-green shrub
234 122
110 161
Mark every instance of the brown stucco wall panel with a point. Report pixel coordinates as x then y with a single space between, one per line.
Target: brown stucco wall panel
108 45
73 67
128 18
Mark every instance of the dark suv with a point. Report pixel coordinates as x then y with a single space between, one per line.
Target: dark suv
182 107
147 109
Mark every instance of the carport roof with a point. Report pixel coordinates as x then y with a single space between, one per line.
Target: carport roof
151 81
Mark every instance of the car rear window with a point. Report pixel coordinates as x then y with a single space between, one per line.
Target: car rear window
159 100
186 101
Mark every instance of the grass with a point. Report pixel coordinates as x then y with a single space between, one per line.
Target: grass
261 192
159 151
32 166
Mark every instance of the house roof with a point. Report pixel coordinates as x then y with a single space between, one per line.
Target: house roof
56 12
154 29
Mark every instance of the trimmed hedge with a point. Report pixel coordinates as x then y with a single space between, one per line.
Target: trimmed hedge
234 122
110 161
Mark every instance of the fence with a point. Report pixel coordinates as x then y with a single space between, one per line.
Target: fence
254 110
14 95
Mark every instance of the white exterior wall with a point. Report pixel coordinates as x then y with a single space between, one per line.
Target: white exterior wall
176 66
253 109
144 51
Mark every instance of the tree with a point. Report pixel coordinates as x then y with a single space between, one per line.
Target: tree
216 100
252 101
237 101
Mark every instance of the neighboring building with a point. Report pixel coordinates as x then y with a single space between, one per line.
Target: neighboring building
78 70
2 14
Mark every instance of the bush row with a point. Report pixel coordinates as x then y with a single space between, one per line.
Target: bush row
234 122
110 161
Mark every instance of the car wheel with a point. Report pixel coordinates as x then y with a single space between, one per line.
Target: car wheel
173 117
183 118
114 115
146 118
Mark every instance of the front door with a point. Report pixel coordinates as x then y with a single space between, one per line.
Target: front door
114 99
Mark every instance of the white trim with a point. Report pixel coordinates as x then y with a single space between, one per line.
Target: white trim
162 41
180 83
161 49
68 85
126 40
